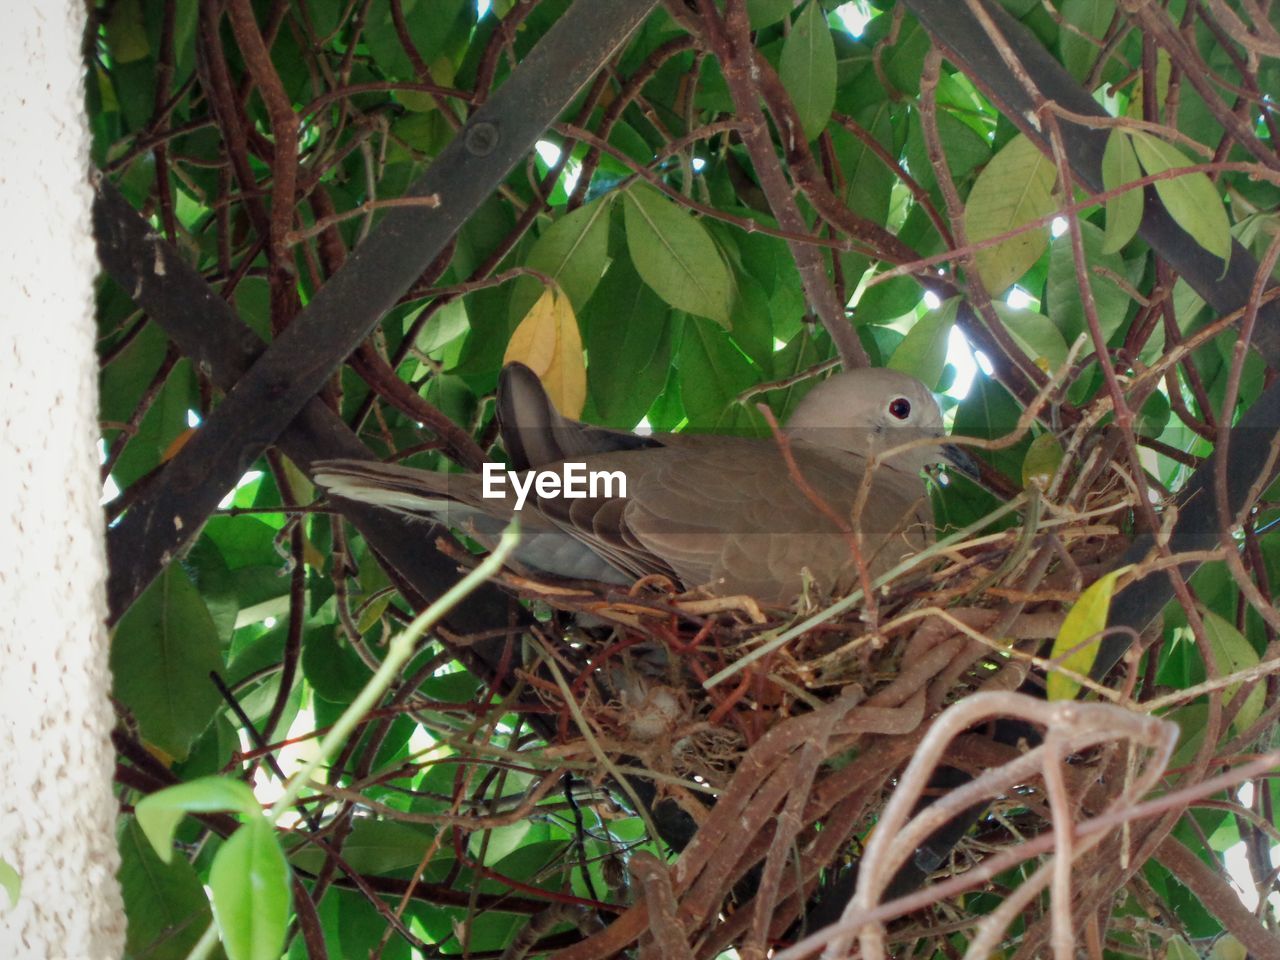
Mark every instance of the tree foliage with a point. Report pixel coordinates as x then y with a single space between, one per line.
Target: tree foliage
1061 215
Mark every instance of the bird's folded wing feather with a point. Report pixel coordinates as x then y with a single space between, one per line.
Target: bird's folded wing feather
723 512
535 434
730 514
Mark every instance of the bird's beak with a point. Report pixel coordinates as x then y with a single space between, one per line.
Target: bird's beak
961 460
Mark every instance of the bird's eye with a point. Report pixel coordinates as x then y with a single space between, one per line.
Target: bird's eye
900 408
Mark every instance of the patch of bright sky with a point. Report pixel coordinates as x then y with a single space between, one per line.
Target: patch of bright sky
1058 226
855 16
291 757
550 155
482 7
1019 299
229 499
960 355
1237 863
109 488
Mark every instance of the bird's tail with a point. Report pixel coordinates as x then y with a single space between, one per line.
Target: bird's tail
385 485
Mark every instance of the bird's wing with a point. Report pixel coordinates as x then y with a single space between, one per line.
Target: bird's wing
739 520
729 514
722 512
457 501
535 434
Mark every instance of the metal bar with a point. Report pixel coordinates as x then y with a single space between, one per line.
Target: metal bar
294 367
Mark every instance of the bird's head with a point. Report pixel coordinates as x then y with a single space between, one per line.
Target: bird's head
870 411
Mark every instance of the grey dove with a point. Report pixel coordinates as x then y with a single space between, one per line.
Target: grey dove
725 514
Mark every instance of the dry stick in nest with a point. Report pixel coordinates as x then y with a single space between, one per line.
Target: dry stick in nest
704 875
840 800
666 938
764 777
1070 727
1011 857
937 649
782 769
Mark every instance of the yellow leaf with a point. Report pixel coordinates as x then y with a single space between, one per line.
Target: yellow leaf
372 612
1227 947
1084 620
159 753
312 556
547 341
176 444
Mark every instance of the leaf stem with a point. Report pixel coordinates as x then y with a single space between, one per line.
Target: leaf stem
399 652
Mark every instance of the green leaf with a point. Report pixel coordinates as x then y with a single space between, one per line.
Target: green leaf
1226 947
713 372
445 325
923 352
962 146
431 23
868 182
1091 18
1191 199
1063 285
808 69
802 351
1177 948
161 654
165 902
376 847
887 301
990 411
573 252
1124 212
1015 188
904 61
500 842
1035 333
1154 416
249 879
1190 720
752 322
1233 653
10 882
158 814
761 13
164 422
127 32
628 335
1041 463
336 673
458 686
675 255
1073 649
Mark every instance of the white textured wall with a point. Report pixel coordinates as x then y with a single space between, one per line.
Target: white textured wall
56 807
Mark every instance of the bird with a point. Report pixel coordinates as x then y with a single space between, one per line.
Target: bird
763 517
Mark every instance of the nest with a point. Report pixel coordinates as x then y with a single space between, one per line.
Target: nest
777 734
